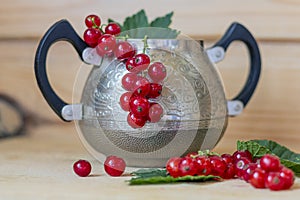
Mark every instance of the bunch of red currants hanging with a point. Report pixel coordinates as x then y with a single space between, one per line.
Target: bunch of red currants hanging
266 172
143 85
143 82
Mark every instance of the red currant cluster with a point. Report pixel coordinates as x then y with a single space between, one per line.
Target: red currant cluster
143 80
141 93
266 172
113 166
104 39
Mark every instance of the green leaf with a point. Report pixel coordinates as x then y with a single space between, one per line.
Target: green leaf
137 20
145 173
163 22
137 26
160 176
258 148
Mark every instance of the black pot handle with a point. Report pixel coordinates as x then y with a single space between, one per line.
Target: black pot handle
237 32
60 31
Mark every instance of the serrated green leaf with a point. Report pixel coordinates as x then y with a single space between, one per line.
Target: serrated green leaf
137 20
170 179
163 22
145 173
258 148
137 26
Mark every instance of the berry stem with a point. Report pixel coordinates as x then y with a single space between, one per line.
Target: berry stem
102 27
145 43
94 23
125 38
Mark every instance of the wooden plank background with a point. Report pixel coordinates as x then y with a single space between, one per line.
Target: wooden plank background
274 110
39 164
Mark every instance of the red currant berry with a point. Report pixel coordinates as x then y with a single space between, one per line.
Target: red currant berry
248 171
218 166
237 155
82 168
142 61
124 50
273 181
229 172
155 113
157 72
139 106
91 36
106 45
136 122
288 177
240 166
138 63
124 101
155 90
114 166
269 163
130 65
113 29
92 21
257 178
129 81
141 87
227 158
172 166
204 166
187 167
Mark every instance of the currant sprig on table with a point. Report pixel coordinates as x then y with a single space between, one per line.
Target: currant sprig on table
144 79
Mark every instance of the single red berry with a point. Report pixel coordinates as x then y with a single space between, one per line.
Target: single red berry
114 166
273 181
130 65
135 121
240 166
218 166
257 178
141 87
204 166
248 171
138 63
155 113
106 45
92 21
237 155
172 166
227 158
155 90
229 172
287 176
269 163
113 29
139 106
157 72
124 50
142 61
91 36
129 81
124 100
187 167
82 168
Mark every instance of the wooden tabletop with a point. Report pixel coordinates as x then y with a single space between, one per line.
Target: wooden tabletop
38 164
